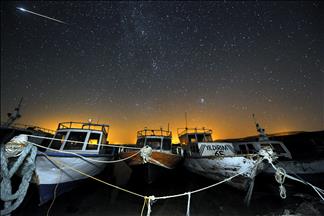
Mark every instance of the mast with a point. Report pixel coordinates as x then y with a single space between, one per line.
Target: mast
14 115
262 135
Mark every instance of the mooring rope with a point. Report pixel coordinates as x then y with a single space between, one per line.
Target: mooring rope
149 200
24 160
55 192
188 204
87 158
282 189
58 163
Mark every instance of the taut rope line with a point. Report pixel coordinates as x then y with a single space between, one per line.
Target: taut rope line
86 158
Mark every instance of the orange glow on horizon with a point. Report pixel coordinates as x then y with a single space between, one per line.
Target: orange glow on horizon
126 134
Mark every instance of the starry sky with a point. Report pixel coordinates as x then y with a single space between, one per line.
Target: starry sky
137 64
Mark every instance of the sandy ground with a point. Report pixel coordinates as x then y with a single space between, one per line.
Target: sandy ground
94 198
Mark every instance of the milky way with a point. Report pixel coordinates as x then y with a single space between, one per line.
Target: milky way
136 64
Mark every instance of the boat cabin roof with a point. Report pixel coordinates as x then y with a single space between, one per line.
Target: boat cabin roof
80 137
154 133
104 128
194 135
187 131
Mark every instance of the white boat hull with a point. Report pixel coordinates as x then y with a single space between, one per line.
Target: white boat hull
220 168
54 169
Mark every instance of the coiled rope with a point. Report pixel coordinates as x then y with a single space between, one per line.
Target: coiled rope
23 156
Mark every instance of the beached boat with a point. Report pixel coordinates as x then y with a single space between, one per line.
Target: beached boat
299 153
302 155
80 146
221 160
161 158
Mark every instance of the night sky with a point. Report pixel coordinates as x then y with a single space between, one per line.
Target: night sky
132 64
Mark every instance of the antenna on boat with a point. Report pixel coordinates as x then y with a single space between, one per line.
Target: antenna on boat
262 134
186 120
15 115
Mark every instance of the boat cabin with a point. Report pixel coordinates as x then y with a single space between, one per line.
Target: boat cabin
158 140
81 137
194 135
199 142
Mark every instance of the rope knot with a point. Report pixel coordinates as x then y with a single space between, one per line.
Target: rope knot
148 201
267 154
146 153
16 145
280 177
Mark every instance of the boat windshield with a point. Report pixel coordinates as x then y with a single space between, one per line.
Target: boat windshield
154 143
93 142
277 148
166 144
192 138
140 142
58 140
208 138
76 141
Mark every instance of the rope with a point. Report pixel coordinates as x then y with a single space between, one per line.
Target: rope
318 190
280 177
148 200
188 204
146 153
86 158
26 165
58 163
144 204
248 196
201 189
54 197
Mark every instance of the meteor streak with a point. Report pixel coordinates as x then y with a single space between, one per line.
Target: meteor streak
37 14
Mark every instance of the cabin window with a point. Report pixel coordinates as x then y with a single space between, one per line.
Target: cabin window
194 148
183 140
93 142
166 144
243 149
59 140
192 138
251 148
76 141
200 137
154 143
277 148
208 138
140 142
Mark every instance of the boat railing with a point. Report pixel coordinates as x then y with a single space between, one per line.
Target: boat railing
154 132
84 126
183 131
31 127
